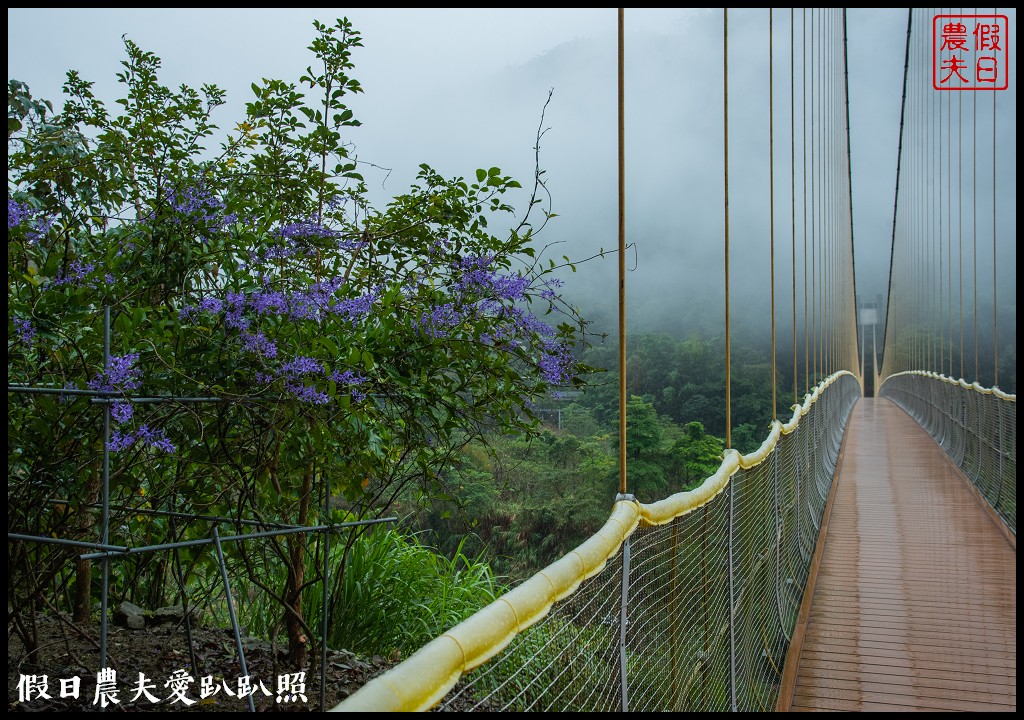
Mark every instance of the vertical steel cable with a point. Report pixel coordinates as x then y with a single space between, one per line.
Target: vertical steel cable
995 295
814 225
771 191
826 209
838 303
887 361
792 182
974 208
728 389
917 199
837 298
940 279
932 350
725 125
823 197
960 212
949 222
834 280
830 180
927 271
852 277
941 335
622 257
803 69
822 204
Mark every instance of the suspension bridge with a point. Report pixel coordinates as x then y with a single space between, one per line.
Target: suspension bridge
864 557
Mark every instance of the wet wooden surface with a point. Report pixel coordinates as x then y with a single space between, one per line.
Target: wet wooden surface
915 602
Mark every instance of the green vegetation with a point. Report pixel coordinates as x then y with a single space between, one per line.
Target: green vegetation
360 361
397 594
350 351
523 502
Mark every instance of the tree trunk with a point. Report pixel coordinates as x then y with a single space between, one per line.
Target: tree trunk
83 568
297 640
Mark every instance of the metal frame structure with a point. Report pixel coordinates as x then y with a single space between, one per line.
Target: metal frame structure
104 551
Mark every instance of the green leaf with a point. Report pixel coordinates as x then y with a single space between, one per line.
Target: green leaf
328 344
367 358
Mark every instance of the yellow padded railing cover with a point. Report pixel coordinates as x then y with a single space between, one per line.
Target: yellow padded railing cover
1012 397
421 681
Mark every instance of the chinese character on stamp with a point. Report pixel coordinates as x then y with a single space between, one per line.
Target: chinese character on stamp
970 52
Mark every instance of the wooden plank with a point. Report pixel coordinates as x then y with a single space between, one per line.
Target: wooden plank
906 701
852 670
914 597
900 656
880 616
909 686
925 639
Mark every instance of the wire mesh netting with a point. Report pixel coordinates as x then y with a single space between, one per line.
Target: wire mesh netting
692 614
976 427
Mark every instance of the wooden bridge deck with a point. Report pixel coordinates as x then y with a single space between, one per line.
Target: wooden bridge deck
914 603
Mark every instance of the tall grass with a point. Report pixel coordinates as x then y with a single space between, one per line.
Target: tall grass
396 594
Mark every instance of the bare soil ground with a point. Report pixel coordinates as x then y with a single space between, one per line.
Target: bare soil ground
67 651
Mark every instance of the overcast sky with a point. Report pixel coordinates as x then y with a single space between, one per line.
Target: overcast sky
461 89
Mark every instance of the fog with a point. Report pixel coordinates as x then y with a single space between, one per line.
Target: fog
462 89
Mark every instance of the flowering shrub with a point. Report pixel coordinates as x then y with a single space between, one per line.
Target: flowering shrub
353 349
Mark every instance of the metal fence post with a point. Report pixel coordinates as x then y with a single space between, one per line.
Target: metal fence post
623 614
778 543
326 597
673 647
105 581
732 600
1002 451
231 611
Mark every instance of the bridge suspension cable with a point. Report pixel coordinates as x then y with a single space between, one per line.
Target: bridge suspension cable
688 602
929 284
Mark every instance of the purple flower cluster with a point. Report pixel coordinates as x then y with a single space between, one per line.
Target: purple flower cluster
317 302
20 213
122 412
478 279
479 290
300 239
555 362
307 229
200 206
259 344
441 246
306 393
482 291
549 288
144 436
295 373
17 213
353 380
120 375
301 366
80 274
301 371
440 319
26 333
302 376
